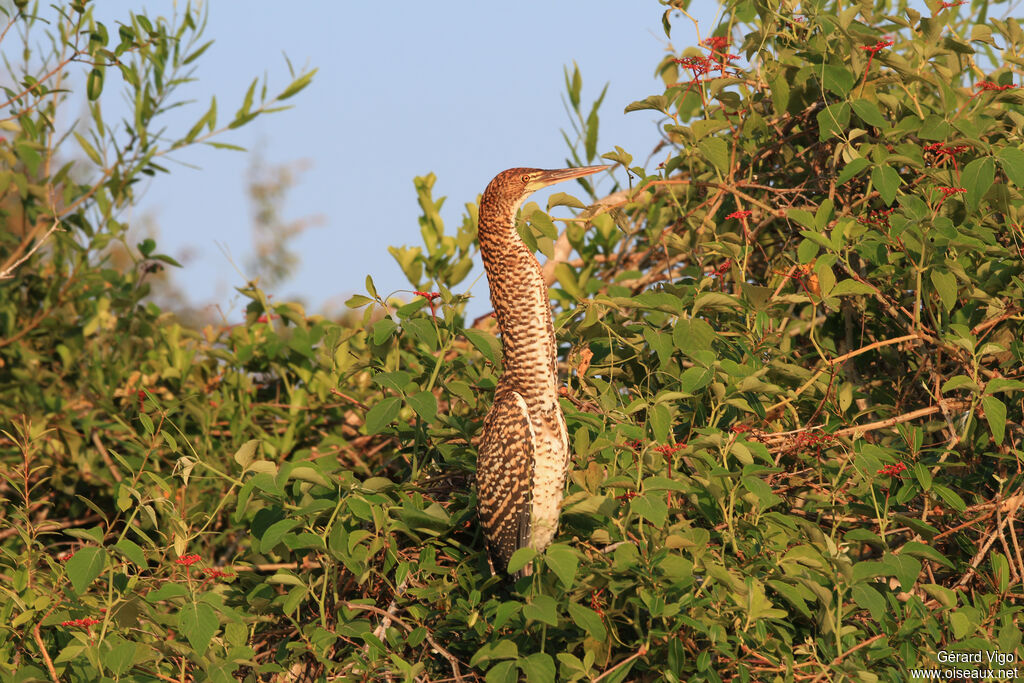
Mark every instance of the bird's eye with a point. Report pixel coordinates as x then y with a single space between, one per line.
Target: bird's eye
526 178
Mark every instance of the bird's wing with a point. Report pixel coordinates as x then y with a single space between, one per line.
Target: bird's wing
505 476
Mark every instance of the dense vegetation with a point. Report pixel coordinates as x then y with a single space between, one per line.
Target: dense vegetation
791 343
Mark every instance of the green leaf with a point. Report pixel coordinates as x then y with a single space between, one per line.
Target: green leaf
485 343
695 378
664 484
168 591
1012 161
297 85
851 169
89 150
370 287
564 199
396 381
960 382
544 609
660 419
383 329
868 112
658 102
808 249
246 453
506 611
85 566
590 142
199 623
833 120
539 667
225 145
977 179
945 285
714 300
995 415
934 127
542 222
566 276
503 649
520 559
1001 571
197 53
781 91
423 331
866 597
589 619
573 85
762 490
804 218
132 551
425 405
502 672
1000 384
382 414
944 595
949 497
716 150
651 507
926 551
275 532
837 79
562 560
850 286
887 180
94 85
619 156
358 301
906 569
121 655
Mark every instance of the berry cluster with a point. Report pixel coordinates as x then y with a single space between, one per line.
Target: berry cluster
878 217
669 450
85 622
893 470
813 441
215 573
429 296
989 86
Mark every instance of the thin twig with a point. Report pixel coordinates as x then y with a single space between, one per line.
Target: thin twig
42 647
639 653
452 659
385 623
841 359
116 473
770 438
840 657
8 271
905 417
48 525
350 399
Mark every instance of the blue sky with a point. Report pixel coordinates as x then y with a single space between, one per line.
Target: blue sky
458 88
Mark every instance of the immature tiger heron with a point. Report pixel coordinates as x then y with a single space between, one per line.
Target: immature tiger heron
524 451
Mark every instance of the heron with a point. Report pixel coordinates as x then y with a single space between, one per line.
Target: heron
524 448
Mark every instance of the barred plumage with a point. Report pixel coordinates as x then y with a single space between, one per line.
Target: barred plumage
524 451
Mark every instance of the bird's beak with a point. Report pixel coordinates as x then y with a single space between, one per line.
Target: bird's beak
551 177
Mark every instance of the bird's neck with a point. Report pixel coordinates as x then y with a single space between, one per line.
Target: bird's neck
521 306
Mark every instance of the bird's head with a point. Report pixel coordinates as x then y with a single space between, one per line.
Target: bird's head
509 188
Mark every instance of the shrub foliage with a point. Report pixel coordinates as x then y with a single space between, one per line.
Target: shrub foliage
792 349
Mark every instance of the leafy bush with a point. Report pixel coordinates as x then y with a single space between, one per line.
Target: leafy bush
793 355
